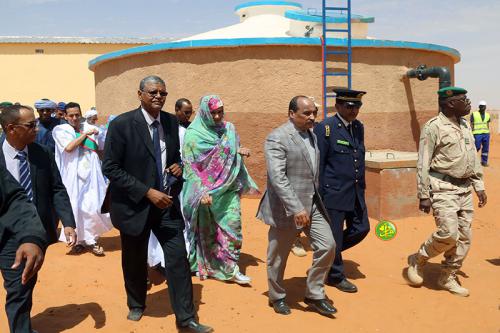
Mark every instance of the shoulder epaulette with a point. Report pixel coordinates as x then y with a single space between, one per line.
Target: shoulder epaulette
433 119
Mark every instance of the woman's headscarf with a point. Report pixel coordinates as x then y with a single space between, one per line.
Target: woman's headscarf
212 164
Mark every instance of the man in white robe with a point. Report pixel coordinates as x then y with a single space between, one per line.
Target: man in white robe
80 168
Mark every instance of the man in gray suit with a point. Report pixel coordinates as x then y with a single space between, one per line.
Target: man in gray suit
292 203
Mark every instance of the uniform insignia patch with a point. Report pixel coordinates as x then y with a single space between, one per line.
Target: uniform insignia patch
327 130
342 142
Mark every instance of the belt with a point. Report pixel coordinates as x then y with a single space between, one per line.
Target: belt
449 179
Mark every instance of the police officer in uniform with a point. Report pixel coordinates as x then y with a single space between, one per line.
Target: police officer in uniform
447 171
342 179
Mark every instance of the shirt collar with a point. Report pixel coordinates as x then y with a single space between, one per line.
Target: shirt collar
11 151
149 118
448 121
305 132
343 120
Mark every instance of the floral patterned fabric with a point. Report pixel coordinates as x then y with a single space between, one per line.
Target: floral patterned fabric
213 166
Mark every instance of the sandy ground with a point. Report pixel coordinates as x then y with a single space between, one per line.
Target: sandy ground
85 293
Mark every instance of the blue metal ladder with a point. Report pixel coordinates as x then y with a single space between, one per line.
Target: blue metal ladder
329 55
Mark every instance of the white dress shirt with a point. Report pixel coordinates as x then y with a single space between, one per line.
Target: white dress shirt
163 144
11 161
345 122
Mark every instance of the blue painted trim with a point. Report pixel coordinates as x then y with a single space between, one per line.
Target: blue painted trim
267 3
236 42
302 15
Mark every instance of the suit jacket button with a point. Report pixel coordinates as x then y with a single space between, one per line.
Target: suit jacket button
355 151
355 160
356 180
356 170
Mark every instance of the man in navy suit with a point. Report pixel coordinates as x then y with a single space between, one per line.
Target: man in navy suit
342 179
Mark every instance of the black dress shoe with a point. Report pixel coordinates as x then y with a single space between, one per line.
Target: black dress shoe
280 307
195 327
135 314
322 306
345 286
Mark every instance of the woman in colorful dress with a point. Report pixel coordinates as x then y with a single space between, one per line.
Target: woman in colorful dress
215 177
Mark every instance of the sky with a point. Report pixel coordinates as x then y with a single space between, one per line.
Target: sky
471 27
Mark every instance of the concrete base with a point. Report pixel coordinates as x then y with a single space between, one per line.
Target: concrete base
391 186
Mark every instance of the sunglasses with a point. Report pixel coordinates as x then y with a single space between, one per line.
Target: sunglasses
156 93
31 125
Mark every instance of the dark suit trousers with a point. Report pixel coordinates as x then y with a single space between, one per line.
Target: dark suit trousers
19 297
134 264
357 227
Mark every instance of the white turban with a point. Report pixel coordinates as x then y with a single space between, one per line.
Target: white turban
90 113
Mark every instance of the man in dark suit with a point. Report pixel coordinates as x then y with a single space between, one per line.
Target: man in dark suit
141 145
46 189
33 167
22 242
342 179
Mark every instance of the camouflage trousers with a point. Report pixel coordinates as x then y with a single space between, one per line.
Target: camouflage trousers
453 216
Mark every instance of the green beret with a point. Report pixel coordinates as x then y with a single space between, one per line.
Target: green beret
450 92
5 104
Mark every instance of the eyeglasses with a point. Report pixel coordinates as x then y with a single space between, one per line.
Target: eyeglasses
31 125
156 93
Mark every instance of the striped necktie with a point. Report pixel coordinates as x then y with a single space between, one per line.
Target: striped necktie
24 174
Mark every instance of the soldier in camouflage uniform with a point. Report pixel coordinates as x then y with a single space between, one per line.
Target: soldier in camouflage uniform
447 171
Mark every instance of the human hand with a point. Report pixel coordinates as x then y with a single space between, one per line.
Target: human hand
159 199
175 169
33 255
92 131
206 200
301 219
425 205
244 152
481 195
70 235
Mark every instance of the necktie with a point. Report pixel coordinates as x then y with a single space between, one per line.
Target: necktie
349 129
157 151
24 174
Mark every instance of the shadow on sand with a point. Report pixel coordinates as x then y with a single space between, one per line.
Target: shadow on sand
61 318
158 303
248 260
495 261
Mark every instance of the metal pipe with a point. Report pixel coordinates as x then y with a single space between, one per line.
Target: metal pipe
422 73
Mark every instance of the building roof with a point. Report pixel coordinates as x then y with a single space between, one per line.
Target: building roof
304 41
81 40
312 15
267 3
